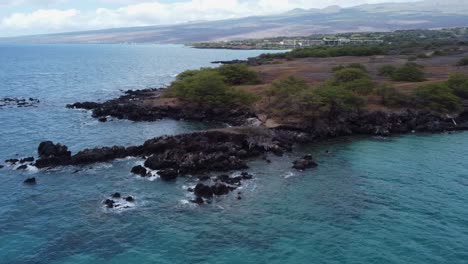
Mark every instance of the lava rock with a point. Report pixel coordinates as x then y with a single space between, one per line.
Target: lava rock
48 149
140 170
230 180
198 200
168 174
30 159
22 167
204 191
12 161
306 162
116 195
246 176
221 189
30 181
102 119
130 199
109 203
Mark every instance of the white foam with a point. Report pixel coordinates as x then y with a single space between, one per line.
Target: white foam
289 175
32 169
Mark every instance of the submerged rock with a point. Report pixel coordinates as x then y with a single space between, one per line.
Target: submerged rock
198 200
116 195
130 199
30 181
306 162
109 203
1 166
140 170
30 159
22 167
12 161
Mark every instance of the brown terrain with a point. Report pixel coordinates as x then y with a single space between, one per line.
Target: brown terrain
318 70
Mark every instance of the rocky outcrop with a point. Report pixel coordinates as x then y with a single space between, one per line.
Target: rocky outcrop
306 162
30 181
51 154
344 123
10 102
172 156
140 170
221 185
135 106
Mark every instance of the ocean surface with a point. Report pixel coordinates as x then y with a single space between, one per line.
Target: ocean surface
398 200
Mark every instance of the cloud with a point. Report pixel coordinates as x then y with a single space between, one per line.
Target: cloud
43 18
145 12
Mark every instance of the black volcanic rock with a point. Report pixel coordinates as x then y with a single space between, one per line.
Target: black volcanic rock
12 161
204 191
48 149
109 203
30 159
306 162
84 105
116 195
30 181
168 174
22 167
130 199
140 170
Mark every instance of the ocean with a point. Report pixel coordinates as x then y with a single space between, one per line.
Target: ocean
397 200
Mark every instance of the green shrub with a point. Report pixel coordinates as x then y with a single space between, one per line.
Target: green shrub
387 70
363 86
463 62
338 96
352 65
287 87
349 75
191 73
293 96
408 73
327 51
437 97
458 83
391 97
239 74
208 88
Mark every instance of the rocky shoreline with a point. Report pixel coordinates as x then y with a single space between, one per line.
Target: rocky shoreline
200 154
145 105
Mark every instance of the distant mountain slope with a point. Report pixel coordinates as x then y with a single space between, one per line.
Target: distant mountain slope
298 22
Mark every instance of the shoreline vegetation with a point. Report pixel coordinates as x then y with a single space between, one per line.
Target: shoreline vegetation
277 100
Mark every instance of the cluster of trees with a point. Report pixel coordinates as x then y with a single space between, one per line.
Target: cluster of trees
214 87
349 88
443 97
410 72
328 51
293 96
463 62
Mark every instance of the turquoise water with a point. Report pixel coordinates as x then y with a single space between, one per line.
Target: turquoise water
402 200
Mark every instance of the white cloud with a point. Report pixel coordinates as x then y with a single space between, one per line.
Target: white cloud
145 12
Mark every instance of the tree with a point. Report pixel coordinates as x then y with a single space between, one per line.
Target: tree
408 73
459 85
437 97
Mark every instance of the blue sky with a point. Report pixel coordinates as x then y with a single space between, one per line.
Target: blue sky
25 17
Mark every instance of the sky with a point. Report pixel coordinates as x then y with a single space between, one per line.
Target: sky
28 17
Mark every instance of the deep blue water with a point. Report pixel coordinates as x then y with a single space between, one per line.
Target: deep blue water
402 200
